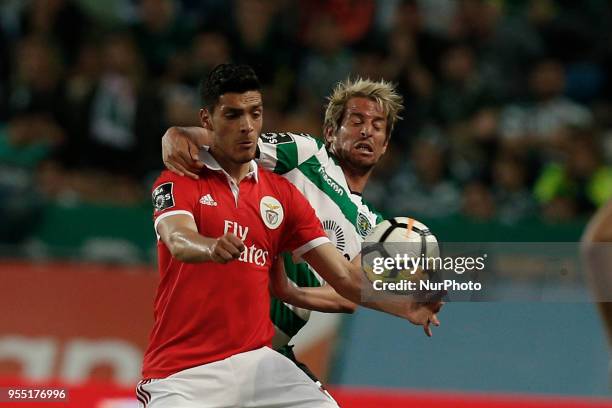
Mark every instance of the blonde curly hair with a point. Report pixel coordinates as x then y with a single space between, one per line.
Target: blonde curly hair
382 92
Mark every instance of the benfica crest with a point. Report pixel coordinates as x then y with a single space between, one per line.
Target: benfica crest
272 215
271 212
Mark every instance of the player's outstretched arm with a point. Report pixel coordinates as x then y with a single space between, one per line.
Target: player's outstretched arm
180 234
322 299
181 147
598 261
349 281
330 300
599 228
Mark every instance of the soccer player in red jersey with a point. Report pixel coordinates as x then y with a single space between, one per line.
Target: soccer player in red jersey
218 237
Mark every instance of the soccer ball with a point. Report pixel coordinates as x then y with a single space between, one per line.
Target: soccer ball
403 238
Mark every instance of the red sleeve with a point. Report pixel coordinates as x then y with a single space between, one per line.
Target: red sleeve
303 230
173 194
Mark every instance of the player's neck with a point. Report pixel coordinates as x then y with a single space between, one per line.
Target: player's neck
356 179
236 171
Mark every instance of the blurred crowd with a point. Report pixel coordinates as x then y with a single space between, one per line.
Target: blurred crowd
507 103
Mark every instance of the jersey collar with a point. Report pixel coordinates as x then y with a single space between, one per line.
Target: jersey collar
210 162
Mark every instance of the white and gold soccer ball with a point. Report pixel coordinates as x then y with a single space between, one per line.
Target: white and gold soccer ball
402 237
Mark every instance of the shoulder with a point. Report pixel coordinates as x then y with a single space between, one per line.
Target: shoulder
273 180
278 184
302 144
283 152
171 180
167 175
373 211
290 137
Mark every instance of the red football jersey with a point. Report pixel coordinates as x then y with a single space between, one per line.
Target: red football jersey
206 312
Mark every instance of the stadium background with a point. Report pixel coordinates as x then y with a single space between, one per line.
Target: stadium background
506 136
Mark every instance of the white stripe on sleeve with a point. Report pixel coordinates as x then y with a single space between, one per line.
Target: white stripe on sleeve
297 254
169 214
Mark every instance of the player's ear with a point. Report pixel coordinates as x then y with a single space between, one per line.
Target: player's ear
384 148
205 119
328 134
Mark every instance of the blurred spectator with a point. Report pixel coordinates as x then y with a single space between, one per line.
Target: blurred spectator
28 138
478 202
207 13
327 62
409 27
606 66
354 18
60 22
560 209
108 14
571 31
414 81
181 106
371 62
5 70
162 35
474 145
547 112
461 92
421 187
25 142
265 38
81 86
581 180
209 49
508 89
37 79
438 14
114 104
504 44
513 197
125 114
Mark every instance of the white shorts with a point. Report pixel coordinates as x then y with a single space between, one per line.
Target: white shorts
258 378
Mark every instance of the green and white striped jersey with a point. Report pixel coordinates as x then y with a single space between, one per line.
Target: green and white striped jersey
303 160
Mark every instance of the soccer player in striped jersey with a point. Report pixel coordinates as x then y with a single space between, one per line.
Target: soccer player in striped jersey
331 173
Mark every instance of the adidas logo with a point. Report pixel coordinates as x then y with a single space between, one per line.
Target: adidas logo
208 200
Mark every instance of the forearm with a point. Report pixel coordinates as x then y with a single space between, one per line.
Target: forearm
325 299
322 299
350 282
197 135
300 297
393 305
190 247
396 305
345 277
383 302
352 287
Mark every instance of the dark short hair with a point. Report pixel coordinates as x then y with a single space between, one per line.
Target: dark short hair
226 78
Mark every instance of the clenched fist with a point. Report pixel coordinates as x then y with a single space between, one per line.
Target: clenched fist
226 248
